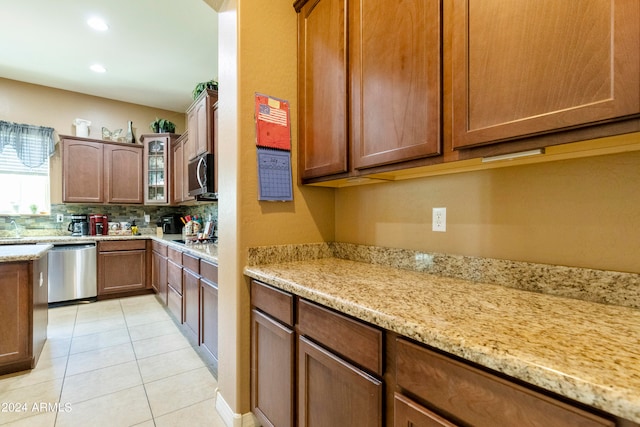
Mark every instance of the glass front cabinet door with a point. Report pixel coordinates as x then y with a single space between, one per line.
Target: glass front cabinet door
156 167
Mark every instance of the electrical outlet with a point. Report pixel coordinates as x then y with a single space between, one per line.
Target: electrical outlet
147 219
439 219
59 218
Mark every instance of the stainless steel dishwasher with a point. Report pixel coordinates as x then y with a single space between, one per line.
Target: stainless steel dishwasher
72 272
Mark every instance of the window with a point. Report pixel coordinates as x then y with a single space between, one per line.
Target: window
24 168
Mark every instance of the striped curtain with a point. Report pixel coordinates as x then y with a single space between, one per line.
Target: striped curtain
33 144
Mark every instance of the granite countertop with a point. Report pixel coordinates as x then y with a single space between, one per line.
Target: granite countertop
15 253
586 351
208 251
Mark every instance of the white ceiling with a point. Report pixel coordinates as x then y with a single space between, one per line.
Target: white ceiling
155 51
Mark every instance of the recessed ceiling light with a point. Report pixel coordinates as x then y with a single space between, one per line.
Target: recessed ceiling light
97 68
97 24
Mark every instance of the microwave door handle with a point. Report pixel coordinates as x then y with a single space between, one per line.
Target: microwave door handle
200 162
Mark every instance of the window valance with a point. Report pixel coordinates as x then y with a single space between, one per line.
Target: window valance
33 144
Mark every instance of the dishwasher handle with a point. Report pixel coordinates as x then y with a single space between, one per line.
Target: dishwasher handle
73 247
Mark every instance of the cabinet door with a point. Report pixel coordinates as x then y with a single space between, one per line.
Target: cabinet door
272 371
202 123
156 168
192 126
191 301
159 276
185 170
15 301
121 271
407 413
209 317
332 392
532 66
394 73
322 88
82 171
177 166
124 181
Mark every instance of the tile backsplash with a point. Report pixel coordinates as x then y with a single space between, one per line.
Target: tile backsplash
43 225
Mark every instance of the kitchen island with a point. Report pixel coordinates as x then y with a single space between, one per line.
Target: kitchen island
23 305
576 349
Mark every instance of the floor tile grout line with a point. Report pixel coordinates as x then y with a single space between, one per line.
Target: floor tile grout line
66 366
146 395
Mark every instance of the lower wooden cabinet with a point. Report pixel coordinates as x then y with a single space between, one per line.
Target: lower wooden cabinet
272 374
122 266
191 293
407 413
312 366
332 392
191 288
471 396
174 284
159 270
23 314
329 390
209 308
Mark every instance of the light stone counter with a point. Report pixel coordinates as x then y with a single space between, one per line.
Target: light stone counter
586 351
15 253
208 251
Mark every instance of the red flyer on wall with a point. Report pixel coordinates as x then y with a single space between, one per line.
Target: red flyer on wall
273 125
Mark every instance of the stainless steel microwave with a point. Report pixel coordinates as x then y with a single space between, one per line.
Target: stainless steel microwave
202 177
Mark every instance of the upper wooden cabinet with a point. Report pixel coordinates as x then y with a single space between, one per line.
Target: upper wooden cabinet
95 171
322 88
157 170
384 107
82 171
530 67
200 124
394 76
123 173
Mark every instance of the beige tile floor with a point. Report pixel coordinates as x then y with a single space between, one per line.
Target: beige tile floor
119 362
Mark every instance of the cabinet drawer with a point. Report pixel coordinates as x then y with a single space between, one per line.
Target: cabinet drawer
122 245
354 340
159 247
276 303
406 412
174 255
191 262
174 303
475 397
209 271
174 276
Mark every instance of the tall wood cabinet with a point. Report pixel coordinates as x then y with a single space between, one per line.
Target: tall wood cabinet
530 67
200 124
96 171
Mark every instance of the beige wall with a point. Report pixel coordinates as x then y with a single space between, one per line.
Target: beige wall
257 51
583 212
45 106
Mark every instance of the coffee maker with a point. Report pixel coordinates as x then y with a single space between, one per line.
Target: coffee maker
78 225
98 225
171 224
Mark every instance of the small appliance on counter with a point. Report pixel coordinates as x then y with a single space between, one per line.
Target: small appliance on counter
171 224
98 225
78 225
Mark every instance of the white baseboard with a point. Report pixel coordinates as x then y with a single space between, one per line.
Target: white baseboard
232 419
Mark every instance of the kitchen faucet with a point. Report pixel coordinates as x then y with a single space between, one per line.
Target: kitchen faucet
16 227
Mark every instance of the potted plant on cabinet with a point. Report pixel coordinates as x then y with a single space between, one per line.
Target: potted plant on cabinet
162 126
